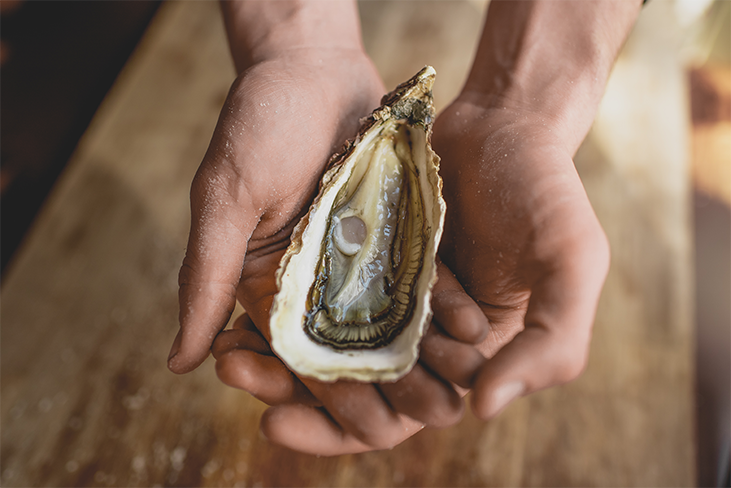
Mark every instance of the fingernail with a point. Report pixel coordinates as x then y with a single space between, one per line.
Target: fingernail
505 394
176 347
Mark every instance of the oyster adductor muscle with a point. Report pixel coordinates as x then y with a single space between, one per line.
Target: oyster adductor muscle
355 282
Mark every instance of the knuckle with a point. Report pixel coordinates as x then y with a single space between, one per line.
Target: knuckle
187 273
450 413
570 366
208 183
237 369
225 369
383 436
598 244
593 249
380 439
200 182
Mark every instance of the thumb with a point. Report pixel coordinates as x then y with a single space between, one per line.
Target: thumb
220 230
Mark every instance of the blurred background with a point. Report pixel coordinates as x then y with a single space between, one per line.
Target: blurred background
709 75
59 59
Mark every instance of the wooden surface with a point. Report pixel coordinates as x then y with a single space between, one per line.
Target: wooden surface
89 308
59 59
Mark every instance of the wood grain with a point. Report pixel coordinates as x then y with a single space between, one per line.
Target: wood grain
90 306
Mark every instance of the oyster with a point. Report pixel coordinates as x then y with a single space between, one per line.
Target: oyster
355 283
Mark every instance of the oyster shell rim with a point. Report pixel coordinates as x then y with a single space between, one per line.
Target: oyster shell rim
403 351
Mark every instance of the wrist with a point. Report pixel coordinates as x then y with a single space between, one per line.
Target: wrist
549 60
261 30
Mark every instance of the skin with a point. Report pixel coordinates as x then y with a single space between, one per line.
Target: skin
521 235
524 255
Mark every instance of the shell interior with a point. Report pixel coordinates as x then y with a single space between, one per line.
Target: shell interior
355 283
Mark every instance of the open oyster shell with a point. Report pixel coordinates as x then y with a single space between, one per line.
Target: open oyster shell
355 283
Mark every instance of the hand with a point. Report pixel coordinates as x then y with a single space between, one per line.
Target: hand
523 240
346 416
281 121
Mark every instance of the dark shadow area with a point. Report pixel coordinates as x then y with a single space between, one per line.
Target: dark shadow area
59 59
713 339
710 104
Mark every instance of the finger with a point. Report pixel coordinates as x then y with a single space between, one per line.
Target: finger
449 359
553 348
359 409
220 230
257 289
244 322
311 430
425 398
229 340
265 377
455 311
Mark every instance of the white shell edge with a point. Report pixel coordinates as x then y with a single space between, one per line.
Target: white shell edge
289 340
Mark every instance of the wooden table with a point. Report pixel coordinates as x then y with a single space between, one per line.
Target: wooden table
89 307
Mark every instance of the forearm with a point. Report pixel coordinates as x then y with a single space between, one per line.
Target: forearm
550 59
259 29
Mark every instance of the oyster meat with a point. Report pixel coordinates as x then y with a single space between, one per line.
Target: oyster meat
355 283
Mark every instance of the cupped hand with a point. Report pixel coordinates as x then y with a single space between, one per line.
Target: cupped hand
347 416
282 120
524 242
